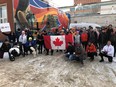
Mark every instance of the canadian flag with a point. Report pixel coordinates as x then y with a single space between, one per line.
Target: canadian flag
58 42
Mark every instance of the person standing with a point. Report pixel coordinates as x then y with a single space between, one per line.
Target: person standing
22 42
18 33
40 42
92 36
102 39
28 32
77 38
84 39
109 31
11 37
113 41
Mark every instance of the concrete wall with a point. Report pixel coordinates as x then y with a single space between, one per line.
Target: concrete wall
108 9
102 20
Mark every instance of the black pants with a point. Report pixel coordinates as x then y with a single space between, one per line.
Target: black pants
47 52
101 45
40 48
84 45
110 59
22 48
114 49
79 59
28 49
91 55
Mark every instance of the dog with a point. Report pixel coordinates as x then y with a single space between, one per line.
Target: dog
33 51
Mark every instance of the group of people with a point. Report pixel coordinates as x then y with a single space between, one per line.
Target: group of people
93 43
77 52
87 42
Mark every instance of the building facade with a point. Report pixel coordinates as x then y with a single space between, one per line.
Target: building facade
6 14
96 6
83 2
90 11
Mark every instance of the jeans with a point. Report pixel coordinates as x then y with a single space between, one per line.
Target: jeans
22 48
69 56
74 57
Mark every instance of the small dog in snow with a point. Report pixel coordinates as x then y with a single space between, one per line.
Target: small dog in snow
33 51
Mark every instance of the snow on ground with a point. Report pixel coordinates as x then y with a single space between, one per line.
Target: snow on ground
56 71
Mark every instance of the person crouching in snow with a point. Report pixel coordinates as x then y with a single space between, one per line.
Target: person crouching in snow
107 51
30 46
80 53
5 48
15 52
91 51
70 51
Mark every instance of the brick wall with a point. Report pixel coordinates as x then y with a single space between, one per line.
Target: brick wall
85 1
9 14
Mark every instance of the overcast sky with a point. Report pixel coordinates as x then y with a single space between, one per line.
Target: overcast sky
61 3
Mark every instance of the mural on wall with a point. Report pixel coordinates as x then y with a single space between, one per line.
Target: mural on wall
29 12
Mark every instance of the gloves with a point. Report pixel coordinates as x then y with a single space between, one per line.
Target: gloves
68 53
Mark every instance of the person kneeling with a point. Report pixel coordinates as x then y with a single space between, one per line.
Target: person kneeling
5 48
80 54
91 51
30 46
70 51
107 51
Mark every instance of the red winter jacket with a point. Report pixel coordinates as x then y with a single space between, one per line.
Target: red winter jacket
91 48
84 37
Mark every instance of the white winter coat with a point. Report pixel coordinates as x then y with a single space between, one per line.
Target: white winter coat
109 49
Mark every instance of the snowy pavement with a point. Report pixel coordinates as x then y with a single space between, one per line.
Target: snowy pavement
56 71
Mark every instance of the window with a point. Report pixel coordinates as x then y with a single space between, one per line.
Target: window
3 14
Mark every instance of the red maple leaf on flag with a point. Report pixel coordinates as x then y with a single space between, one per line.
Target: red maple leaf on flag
57 42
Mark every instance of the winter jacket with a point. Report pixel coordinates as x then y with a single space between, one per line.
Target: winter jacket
5 47
40 39
79 50
70 49
84 37
109 50
113 39
102 38
109 31
11 37
91 48
30 44
77 38
15 51
23 39
92 37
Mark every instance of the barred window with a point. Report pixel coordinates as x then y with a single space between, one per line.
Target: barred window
3 14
